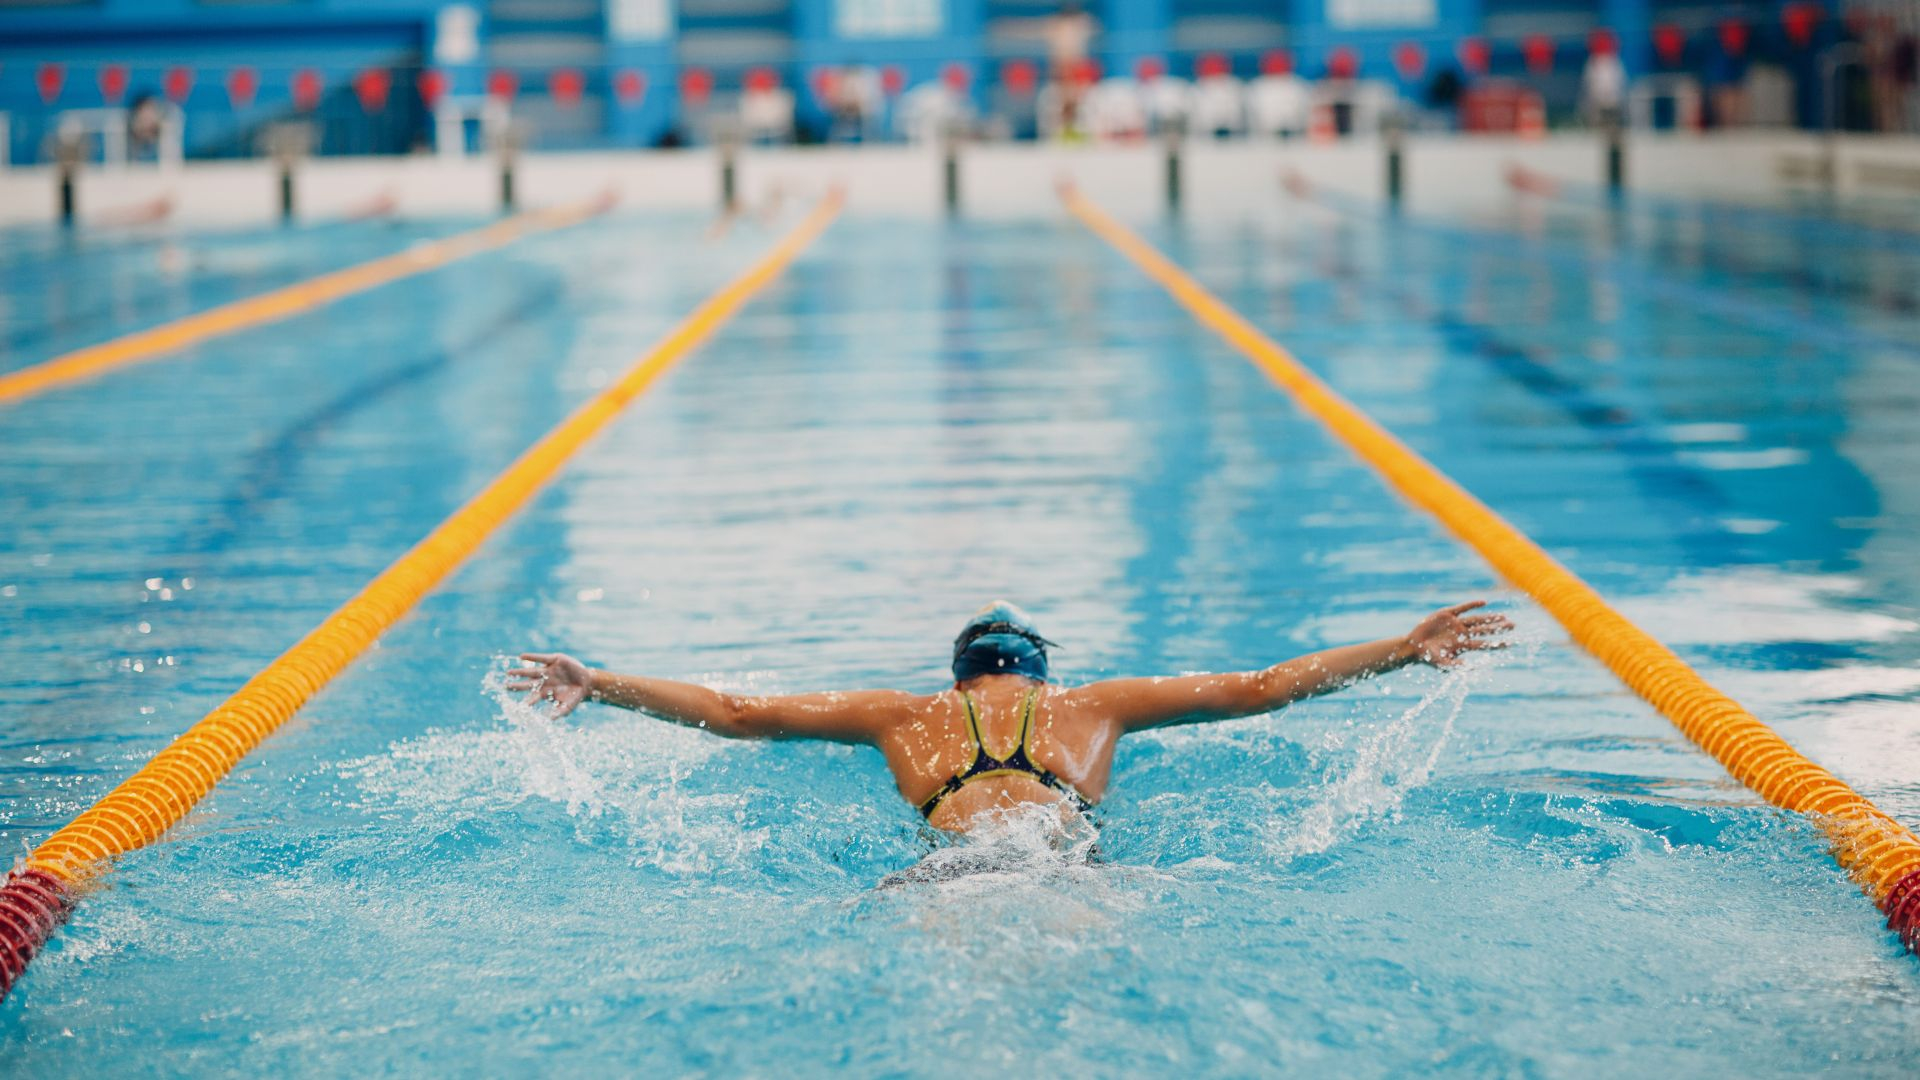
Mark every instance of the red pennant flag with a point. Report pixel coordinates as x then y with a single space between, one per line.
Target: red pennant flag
432 85
1410 60
372 87
629 86
696 86
1670 43
113 83
1733 37
178 83
242 84
1801 19
1538 50
1343 63
565 86
49 79
306 89
1019 76
824 81
1476 56
502 84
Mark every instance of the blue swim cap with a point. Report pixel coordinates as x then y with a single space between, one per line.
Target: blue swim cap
1000 640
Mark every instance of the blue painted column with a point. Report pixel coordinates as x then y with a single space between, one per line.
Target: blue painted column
639 41
1131 29
1632 23
1314 35
961 26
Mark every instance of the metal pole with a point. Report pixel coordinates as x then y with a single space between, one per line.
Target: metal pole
1616 156
950 166
68 150
1176 135
288 143
510 142
1831 63
726 136
1396 172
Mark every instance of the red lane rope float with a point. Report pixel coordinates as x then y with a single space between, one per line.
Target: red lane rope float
281 303
1878 852
39 894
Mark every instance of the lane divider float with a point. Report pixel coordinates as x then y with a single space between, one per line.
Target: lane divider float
38 896
281 303
1880 854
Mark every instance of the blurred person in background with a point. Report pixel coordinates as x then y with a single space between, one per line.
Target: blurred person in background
1168 98
1069 35
1219 108
1115 109
1726 75
1443 96
146 119
1279 102
1603 85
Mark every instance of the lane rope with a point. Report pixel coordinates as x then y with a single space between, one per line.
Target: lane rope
1879 853
281 303
38 896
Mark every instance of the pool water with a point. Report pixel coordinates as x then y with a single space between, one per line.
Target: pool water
1515 868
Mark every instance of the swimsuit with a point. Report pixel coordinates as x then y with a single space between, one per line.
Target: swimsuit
1018 763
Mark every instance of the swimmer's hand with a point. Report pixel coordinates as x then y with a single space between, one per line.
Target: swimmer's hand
1443 637
555 677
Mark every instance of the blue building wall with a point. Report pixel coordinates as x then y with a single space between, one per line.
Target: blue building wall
341 38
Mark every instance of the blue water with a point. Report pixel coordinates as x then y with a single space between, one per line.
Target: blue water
1514 869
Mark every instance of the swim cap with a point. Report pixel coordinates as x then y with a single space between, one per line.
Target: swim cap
1000 640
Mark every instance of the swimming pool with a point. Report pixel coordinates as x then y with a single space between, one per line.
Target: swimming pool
1516 869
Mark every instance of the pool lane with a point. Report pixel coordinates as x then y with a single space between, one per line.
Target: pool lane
80 291
1497 873
263 309
195 531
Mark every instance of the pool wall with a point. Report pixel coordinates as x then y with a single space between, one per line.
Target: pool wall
994 180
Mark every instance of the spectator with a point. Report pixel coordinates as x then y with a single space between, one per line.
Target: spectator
1168 98
766 108
1218 105
1443 95
1069 33
929 112
1279 102
1603 85
1116 110
1727 75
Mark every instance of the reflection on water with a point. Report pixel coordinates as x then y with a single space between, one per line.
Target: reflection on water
1515 869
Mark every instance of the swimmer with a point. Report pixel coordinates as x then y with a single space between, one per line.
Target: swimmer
1004 736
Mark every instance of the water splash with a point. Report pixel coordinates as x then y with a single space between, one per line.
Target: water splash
1033 841
1389 762
621 780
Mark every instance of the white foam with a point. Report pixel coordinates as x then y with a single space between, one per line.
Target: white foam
622 774
1390 761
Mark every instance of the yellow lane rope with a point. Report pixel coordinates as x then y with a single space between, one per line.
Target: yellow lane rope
1874 848
150 801
280 303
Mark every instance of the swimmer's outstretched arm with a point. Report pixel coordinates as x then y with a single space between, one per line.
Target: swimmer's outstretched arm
857 716
1440 639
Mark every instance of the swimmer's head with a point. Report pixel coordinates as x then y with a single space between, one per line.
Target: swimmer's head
1000 640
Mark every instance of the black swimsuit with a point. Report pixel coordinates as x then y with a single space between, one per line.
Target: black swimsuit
1018 763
